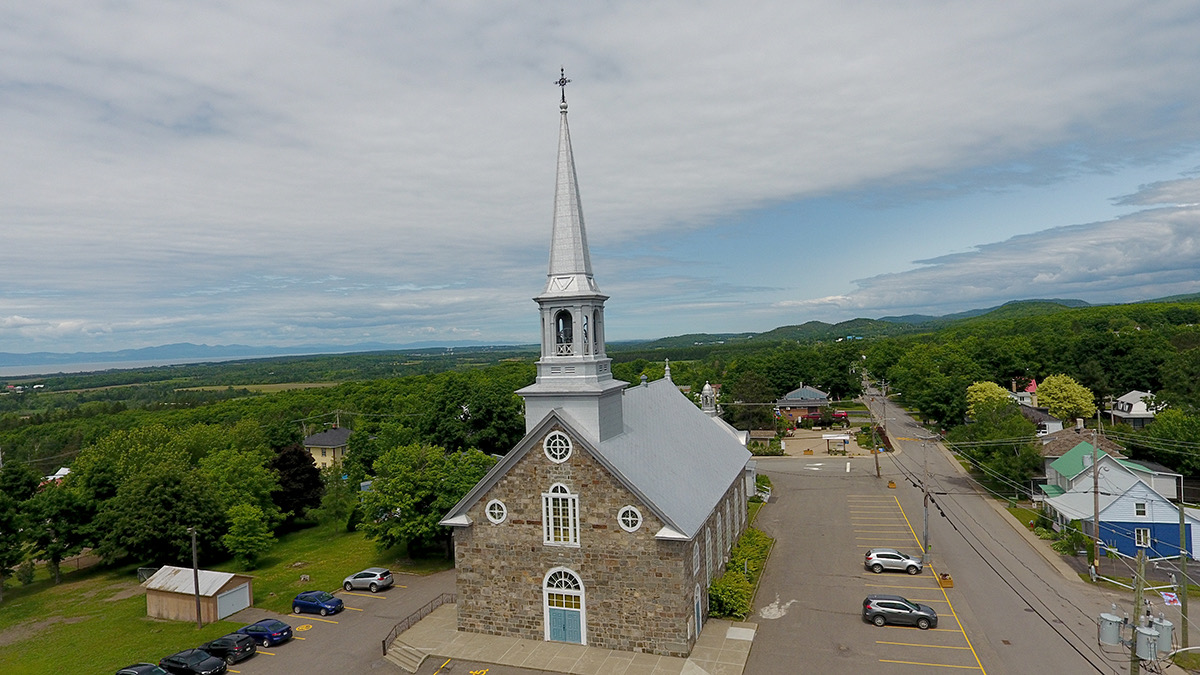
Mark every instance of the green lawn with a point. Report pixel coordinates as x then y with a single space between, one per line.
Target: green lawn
95 620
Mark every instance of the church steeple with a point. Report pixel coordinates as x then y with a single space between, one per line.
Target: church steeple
573 373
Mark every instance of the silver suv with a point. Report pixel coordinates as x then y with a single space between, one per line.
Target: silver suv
372 579
884 609
880 559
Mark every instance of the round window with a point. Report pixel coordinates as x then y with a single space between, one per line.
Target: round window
629 518
496 511
557 446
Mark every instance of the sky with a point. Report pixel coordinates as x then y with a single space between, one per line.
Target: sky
296 173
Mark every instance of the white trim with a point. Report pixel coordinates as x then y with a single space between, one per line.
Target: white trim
487 510
560 498
546 603
1140 541
637 518
566 441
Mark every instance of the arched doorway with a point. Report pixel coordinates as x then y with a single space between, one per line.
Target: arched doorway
565 617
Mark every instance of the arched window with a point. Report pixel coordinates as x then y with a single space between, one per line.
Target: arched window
563 337
596 332
560 517
586 344
563 594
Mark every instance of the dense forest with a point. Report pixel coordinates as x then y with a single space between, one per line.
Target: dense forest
225 438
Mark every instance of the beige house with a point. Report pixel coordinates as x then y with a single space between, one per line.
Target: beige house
171 594
329 446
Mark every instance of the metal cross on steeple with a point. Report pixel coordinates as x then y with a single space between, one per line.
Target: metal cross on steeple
562 82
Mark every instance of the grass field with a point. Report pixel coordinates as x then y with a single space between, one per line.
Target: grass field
265 388
95 620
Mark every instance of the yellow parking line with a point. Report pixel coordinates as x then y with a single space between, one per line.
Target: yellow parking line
910 644
944 595
297 616
932 665
914 588
231 670
362 595
297 637
267 653
354 608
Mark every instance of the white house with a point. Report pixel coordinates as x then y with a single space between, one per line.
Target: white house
1137 409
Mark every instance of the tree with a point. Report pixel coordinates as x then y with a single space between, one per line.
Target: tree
982 392
414 486
365 448
1162 440
19 481
1066 398
300 486
149 517
59 524
11 552
248 537
243 477
341 496
1001 441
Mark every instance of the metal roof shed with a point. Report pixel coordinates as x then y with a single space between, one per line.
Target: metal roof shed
170 594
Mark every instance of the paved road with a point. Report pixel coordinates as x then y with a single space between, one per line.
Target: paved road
1010 612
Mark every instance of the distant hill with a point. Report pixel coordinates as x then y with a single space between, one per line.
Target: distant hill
1009 310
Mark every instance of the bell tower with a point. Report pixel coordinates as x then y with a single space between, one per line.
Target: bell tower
573 374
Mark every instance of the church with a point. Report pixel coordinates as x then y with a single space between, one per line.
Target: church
606 523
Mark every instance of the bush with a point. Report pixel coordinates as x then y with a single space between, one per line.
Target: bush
1043 533
729 595
750 553
24 573
765 449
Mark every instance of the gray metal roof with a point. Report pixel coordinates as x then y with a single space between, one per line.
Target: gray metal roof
671 455
330 438
804 393
179 580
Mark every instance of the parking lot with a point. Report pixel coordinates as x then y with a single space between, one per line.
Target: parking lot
348 641
880 521
824 516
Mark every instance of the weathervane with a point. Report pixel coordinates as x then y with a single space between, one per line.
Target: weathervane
562 82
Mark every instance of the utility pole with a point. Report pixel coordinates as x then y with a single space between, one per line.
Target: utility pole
925 486
874 439
1138 586
1096 495
195 575
1183 566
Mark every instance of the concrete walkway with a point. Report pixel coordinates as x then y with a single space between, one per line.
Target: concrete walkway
722 649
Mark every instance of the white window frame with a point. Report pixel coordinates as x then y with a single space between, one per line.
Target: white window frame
696 557
1139 509
560 516
493 518
1141 537
553 449
577 590
633 523
708 551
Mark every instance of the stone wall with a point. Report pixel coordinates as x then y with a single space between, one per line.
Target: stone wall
638 591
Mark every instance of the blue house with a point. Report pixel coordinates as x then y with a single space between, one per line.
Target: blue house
1132 516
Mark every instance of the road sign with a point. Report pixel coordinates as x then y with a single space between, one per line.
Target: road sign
1170 599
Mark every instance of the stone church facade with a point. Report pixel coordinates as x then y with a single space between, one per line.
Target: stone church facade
606 523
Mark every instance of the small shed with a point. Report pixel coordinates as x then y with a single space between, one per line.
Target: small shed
171 594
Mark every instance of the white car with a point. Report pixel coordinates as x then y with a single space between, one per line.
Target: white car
372 579
879 559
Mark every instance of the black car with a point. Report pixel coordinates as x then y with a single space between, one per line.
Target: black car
232 648
193 662
142 669
884 609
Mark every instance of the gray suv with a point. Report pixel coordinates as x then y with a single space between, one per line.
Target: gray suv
880 559
884 609
372 579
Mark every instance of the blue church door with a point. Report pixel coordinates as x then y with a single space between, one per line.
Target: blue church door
564 625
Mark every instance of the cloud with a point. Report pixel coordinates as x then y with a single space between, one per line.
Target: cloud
1148 254
286 171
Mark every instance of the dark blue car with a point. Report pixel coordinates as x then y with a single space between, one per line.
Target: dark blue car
268 632
317 602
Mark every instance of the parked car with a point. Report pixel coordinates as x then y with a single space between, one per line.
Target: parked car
232 647
880 559
317 602
193 662
372 579
268 632
884 609
141 669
